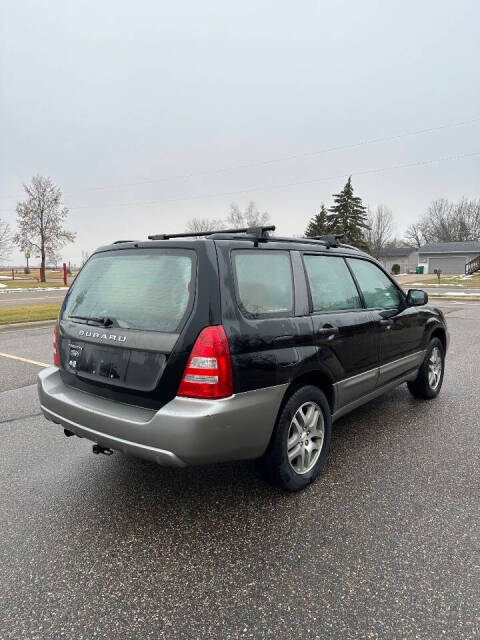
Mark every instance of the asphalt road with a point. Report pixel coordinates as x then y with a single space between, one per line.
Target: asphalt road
451 290
27 298
384 545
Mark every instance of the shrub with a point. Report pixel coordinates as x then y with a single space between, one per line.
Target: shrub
395 269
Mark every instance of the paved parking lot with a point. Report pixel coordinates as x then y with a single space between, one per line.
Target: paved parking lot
384 545
27 298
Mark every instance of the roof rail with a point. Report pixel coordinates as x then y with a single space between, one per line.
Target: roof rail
260 232
327 241
121 241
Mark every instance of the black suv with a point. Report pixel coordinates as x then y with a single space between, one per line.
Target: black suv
234 345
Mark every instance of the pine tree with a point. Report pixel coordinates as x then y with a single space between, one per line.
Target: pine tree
319 225
348 216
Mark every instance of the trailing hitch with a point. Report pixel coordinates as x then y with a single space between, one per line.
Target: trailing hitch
96 448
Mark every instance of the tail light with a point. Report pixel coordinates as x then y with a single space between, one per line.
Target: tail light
56 357
208 373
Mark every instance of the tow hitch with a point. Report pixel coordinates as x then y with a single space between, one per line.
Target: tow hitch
96 448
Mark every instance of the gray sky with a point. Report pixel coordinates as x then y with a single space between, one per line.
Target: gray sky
100 94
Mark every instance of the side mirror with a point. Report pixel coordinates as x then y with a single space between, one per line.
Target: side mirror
416 297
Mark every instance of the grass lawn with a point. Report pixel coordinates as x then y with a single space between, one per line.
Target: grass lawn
26 284
10 315
467 283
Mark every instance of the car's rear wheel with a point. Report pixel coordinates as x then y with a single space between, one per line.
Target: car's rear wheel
300 440
430 375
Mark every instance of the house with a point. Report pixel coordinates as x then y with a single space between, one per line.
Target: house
450 257
405 257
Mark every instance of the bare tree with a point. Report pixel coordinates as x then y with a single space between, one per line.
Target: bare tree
40 220
447 221
250 217
414 235
439 223
380 229
85 256
467 216
197 225
5 240
53 258
396 242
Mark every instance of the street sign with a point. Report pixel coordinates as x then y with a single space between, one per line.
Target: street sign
27 255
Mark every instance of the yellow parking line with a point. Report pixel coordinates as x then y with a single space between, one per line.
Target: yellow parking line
8 355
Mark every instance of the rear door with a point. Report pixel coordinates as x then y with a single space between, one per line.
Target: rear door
264 313
342 329
398 327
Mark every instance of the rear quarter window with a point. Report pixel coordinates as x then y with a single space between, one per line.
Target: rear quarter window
264 282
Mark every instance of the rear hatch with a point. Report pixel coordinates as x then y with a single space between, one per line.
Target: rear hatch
128 323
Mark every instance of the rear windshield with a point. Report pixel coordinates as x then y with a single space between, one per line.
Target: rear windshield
148 290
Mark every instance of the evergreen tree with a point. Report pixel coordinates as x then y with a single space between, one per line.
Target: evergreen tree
348 216
319 225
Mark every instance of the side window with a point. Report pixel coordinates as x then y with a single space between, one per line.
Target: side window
264 281
378 290
331 284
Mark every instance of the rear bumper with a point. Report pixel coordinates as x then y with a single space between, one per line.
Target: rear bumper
184 431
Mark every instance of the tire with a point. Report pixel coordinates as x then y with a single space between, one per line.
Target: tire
299 444
427 385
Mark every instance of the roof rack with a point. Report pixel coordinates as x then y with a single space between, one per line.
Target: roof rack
121 241
254 234
260 232
331 239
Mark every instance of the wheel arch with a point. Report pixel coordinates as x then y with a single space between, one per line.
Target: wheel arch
440 333
315 378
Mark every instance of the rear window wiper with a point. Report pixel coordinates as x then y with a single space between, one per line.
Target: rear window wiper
106 322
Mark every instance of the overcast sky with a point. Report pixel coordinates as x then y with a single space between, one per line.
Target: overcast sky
101 94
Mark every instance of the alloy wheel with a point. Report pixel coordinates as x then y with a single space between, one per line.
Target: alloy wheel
435 366
305 437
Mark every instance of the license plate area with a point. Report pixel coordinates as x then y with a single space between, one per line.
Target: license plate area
138 370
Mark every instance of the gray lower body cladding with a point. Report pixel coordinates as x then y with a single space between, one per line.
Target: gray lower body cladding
190 431
184 431
352 392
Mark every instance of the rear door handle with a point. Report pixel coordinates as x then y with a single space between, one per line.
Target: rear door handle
328 331
387 323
